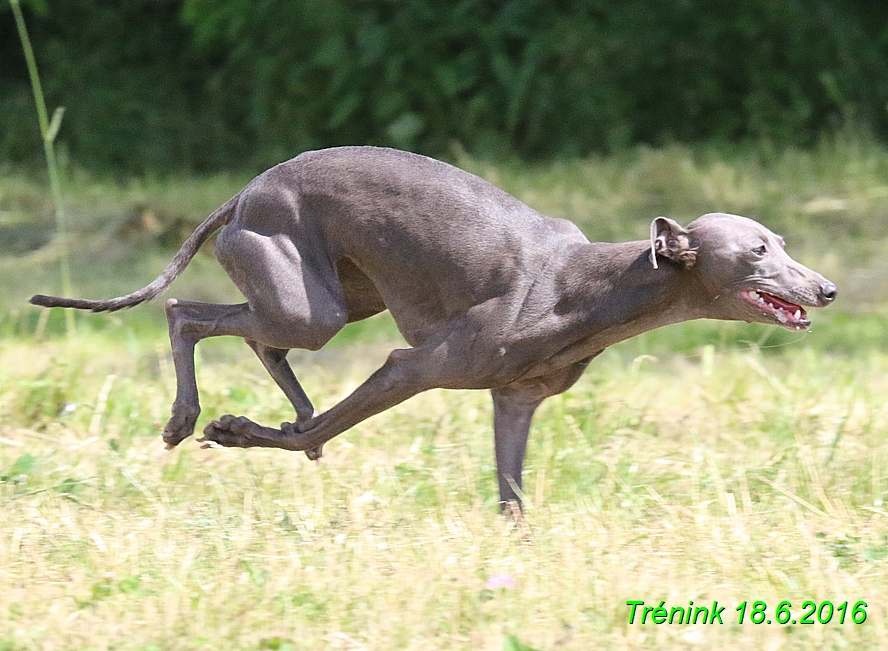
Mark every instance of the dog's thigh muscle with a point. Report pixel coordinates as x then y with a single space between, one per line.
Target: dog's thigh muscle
295 296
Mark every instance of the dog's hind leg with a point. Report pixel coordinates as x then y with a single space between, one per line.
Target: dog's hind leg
275 362
291 304
189 323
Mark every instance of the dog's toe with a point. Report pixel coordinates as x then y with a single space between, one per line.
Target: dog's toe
216 433
180 425
233 432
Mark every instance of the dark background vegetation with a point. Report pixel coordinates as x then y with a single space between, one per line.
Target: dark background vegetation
205 85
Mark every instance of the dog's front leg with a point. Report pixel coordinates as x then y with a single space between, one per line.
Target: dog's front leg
512 413
405 373
241 432
513 409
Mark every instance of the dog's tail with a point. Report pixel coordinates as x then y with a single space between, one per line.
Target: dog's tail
188 250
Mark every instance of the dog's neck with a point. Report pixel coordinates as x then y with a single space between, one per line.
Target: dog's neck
619 293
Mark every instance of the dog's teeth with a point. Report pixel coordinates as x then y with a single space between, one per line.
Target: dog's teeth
797 315
754 295
760 299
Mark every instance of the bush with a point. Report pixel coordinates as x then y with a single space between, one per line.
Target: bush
208 84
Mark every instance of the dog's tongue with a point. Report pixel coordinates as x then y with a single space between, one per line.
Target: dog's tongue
786 306
786 312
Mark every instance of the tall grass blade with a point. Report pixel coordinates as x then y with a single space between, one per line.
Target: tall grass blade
48 131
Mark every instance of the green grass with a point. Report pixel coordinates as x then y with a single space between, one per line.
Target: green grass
702 462
728 475
830 203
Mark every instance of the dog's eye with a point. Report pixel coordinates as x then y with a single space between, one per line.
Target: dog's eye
760 250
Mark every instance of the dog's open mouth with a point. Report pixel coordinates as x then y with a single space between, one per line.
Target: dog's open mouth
789 315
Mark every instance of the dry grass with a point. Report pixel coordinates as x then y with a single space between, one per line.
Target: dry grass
726 475
830 202
687 465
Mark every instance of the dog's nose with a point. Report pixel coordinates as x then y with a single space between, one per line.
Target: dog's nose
828 291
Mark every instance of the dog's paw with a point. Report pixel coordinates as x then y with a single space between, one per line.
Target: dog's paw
231 432
180 425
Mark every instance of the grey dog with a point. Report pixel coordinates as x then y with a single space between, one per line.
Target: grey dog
488 293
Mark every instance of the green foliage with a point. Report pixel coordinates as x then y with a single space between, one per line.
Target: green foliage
46 396
124 73
22 467
275 644
208 84
512 643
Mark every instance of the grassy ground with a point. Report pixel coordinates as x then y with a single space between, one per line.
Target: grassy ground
697 463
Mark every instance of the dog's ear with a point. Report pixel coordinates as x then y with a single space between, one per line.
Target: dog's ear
671 240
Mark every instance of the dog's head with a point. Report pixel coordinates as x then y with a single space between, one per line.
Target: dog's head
744 268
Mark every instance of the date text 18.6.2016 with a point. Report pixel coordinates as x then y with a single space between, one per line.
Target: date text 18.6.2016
811 613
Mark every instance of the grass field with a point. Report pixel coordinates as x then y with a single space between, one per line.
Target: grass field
703 462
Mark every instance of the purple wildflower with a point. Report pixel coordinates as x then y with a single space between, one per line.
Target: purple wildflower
496 581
